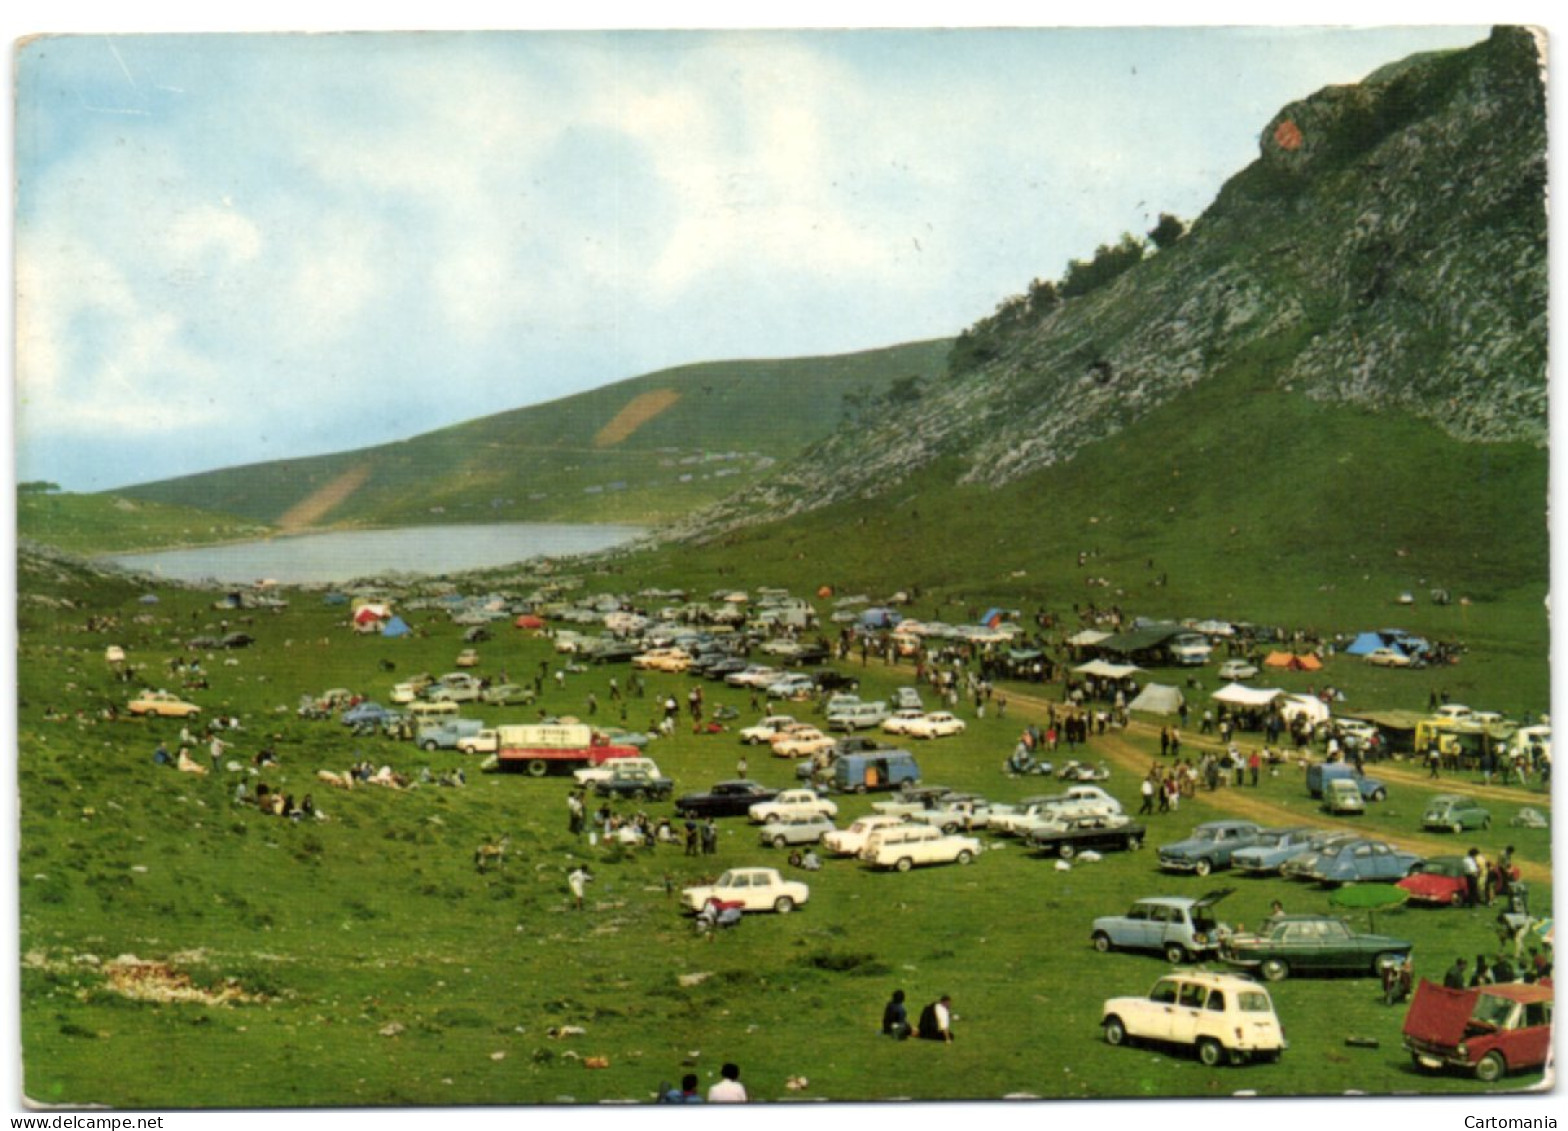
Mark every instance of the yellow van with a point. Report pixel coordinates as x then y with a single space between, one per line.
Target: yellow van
431 712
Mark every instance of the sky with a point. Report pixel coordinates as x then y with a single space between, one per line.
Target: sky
242 247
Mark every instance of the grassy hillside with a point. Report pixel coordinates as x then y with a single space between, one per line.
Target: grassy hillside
365 961
93 524
646 450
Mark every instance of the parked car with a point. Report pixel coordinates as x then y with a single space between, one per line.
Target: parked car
768 729
1387 658
446 734
162 703
937 724
454 687
750 889
907 846
907 698
1182 928
830 680
663 660
726 799
372 713
792 803
850 841
753 675
1320 773
795 685
802 828
883 768
802 742
506 694
1210 846
899 720
613 652
1451 812
1272 849
955 812
238 640
1080 834
1299 944
467 658
1238 670
486 741
635 783
1360 861
1342 798
1438 880
858 717
1190 650
1223 1017
1487 1030
588 775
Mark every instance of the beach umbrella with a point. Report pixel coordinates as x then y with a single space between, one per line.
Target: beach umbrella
1370 898
1545 931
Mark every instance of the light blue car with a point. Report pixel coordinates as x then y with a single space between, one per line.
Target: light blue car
1274 847
1210 846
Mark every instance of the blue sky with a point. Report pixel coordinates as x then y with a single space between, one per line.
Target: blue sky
247 247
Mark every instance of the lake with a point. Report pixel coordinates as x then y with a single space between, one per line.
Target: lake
338 556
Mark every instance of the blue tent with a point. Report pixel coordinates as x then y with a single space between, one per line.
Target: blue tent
397 626
335 599
1366 642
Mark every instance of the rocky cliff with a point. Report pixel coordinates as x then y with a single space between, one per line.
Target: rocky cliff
1387 248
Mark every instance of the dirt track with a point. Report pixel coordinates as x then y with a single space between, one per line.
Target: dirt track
1116 749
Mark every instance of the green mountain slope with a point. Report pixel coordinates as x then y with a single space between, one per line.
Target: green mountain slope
645 450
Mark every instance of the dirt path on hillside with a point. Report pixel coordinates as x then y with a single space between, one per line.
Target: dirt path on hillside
1116 749
309 510
638 411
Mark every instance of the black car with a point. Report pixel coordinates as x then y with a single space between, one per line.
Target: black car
635 784
830 680
238 640
614 652
811 654
725 665
726 799
1079 834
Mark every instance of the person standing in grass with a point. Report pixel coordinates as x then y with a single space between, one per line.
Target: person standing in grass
578 882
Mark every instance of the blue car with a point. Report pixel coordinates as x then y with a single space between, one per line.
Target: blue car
1360 861
1210 846
1274 847
373 713
1371 788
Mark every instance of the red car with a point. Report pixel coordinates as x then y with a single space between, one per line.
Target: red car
1488 1030
1439 879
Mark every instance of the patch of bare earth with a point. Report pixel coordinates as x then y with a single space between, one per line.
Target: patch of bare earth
320 502
637 412
142 979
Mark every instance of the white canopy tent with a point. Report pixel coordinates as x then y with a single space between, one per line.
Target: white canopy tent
1236 695
1104 670
1157 699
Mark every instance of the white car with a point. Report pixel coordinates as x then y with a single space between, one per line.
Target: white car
796 685
1225 1017
1237 670
1387 658
938 724
802 742
849 842
768 729
793 803
663 660
908 846
756 675
750 889
803 828
613 767
900 720
485 742
950 816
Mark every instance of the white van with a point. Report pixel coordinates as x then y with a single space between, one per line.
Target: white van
432 712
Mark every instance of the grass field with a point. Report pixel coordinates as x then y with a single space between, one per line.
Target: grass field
378 967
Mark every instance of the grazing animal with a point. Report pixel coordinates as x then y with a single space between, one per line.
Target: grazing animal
491 854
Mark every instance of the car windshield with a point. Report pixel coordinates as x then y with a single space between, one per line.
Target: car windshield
1251 1001
1207 834
1271 840
1492 1011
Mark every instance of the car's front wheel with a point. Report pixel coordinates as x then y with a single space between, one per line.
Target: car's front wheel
1275 969
1457 827
1065 851
1204 866
1101 941
1490 1068
1379 794
1115 1031
779 842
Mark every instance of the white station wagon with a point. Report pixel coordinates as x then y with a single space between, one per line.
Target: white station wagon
850 841
1222 1016
793 803
905 846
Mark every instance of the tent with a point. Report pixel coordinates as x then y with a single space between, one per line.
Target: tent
879 618
1366 642
368 614
1157 699
1106 670
397 626
1087 637
1289 662
1312 707
528 620
1238 696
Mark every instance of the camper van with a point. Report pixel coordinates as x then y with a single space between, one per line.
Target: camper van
859 716
432 712
880 769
